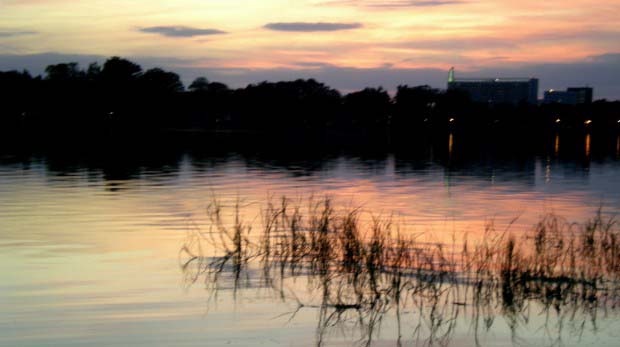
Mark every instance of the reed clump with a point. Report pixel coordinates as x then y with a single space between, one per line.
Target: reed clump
327 243
370 266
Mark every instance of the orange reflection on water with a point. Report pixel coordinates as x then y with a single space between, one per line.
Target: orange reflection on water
113 257
450 144
144 219
587 145
556 147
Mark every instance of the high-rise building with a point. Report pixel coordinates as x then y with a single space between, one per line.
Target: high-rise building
571 96
584 94
496 90
552 96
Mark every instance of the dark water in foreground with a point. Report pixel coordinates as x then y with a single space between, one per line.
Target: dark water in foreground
90 241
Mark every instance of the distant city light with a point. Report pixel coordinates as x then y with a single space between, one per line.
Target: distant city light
558 120
451 120
588 122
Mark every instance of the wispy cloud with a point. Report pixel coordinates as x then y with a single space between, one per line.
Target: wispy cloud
180 31
417 3
573 35
16 33
395 3
309 27
311 64
457 44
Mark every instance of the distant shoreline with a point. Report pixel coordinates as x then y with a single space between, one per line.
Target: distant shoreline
120 96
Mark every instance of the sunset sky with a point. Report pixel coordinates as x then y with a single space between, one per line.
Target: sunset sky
345 43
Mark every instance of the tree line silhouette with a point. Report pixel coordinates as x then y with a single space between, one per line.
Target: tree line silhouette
120 95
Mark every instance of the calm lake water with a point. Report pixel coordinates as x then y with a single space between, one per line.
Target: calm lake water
90 241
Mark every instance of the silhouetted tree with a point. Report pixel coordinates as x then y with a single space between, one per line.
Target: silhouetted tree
120 70
119 83
415 106
94 71
454 102
368 108
299 104
159 81
200 84
217 87
64 72
17 89
65 89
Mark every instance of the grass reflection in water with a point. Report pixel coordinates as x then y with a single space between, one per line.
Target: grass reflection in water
366 268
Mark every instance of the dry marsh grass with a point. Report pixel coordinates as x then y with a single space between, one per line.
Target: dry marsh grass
364 270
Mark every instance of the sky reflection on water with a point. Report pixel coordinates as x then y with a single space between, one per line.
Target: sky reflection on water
89 247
